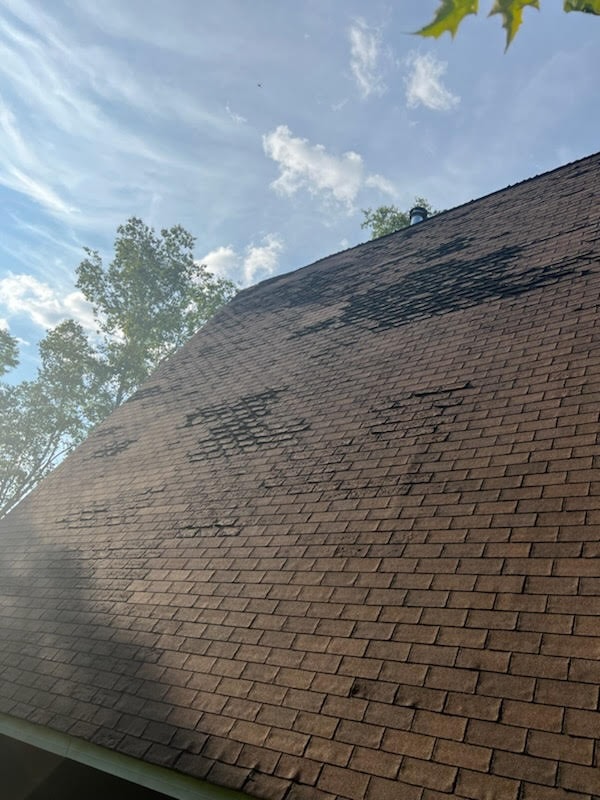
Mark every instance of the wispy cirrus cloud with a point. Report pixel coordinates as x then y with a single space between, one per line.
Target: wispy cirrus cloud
237 118
74 122
303 165
42 304
21 169
15 178
424 83
255 263
365 51
48 123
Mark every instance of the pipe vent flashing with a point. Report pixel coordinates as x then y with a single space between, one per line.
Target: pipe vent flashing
417 214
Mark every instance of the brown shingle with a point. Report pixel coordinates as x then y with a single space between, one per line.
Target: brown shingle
351 547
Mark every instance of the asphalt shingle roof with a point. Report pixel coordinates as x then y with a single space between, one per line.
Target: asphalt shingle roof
344 544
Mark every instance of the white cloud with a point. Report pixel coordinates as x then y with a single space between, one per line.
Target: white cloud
237 118
222 261
424 85
365 45
303 165
262 260
255 263
44 305
381 183
306 166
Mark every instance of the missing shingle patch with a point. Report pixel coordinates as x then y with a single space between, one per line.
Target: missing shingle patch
443 391
246 425
112 448
449 284
110 441
446 248
417 413
188 532
217 528
316 327
453 285
351 550
422 418
87 517
145 393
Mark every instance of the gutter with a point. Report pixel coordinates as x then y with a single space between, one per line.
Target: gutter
174 784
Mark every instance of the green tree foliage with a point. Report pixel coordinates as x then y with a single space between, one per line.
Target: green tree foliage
389 219
9 351
147 302
451 13
42 419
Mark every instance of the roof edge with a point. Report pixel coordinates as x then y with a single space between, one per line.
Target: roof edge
151 776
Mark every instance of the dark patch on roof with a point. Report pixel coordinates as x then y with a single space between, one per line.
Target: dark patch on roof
110 440
422 419
453 285
112 448
446 287
317 327
85 517
245 425
147 392
222 527
455 245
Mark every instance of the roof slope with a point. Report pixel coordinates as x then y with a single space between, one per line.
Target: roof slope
345 542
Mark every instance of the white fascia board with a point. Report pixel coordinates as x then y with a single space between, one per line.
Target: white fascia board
174 784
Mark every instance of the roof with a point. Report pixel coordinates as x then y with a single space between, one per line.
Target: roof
344 543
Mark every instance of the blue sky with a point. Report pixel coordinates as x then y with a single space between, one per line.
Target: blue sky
262 127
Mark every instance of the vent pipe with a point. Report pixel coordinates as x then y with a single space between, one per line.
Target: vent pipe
417 214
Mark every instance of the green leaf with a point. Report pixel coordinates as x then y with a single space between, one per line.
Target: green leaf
512 15
587 6
449 16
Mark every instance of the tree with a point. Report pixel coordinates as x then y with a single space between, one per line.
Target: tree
150 299
9 351
389 219
147 302
41 420
451 13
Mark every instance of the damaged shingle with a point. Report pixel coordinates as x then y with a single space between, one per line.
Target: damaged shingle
145 393
110 441
244 425
453 285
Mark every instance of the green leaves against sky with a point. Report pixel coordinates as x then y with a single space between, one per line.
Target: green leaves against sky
511 12
451 13
587 6
449 16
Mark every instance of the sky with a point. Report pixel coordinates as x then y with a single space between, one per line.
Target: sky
262 127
